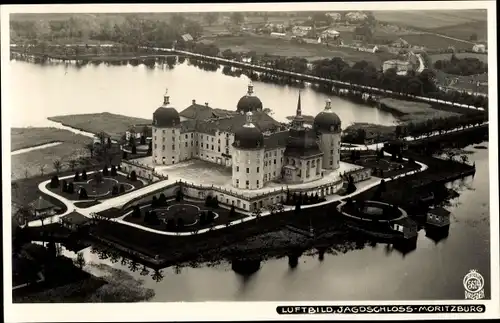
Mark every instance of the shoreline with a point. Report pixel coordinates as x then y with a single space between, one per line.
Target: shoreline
35 147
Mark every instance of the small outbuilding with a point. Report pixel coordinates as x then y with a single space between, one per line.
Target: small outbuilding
42 207
74 221
438 217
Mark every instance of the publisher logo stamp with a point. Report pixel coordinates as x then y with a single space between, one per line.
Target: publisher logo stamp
474 285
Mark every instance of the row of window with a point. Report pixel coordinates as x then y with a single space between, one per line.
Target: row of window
247 183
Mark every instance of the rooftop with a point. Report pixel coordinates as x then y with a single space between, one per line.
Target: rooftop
75 218
41 204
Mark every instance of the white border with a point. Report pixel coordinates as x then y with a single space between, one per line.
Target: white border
241 310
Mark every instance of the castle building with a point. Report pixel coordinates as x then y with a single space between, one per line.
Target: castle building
257 148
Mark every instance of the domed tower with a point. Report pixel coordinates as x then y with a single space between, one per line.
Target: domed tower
248 153
327 125
249 102
166 133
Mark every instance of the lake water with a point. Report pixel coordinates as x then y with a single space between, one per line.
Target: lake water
432 271
38 92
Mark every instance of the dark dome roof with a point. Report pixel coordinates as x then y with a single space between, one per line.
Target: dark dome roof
327 121
166 117
248 138
249 103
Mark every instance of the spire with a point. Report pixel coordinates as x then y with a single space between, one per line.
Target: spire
250 88
299 108
166 98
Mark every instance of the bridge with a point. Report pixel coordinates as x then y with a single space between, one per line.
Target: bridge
312 78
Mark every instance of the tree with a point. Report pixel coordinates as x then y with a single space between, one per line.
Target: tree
77 177
42 169
54 182
136 212
71 188
211 17
257 212
133 176
464 158
109 142
90 147
113 170
114 191
72 164
154 202
105 171
150 148
82 194
122 188
237 18
134 149
80 260
179 196
232 212
84 175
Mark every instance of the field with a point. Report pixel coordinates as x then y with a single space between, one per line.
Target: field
113 124
429 19
436 42
30 163
409 111
29 137
281 47
465 30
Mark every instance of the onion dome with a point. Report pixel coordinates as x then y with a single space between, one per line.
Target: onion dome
327 121
248 136
249 102
166 116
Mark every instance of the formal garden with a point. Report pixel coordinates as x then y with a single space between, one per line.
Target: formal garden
382 166
371 211
180 215
98 185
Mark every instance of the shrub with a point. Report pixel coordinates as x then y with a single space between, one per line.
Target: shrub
162 200
77 177
54 182
154 202
113 170
64 186
136 212
82 195
180 223
179 196
71 188
208 201
114 191
133 176
122 188
105 171
84 175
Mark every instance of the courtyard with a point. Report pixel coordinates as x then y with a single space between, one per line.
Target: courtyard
200 172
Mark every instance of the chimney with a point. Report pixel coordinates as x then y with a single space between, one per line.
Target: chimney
206 104
194 101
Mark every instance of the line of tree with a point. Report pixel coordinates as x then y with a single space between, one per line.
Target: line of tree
462 66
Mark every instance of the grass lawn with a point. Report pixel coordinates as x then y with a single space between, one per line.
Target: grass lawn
29 137
31 163
113 124
389 167
97 191
427 19
187 210
465 30
410 111
281 47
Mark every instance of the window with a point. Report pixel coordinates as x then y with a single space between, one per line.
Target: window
274 161
155 138
248 170
275 154
191 135
207 146
237 182
274 173
331 162
331 151
218 141
173 147
257 183
186 143
186 136
164 131
218 149
173 131
237 168
212 139
155 146
265 164
212 147
258 168
247 183
163 147
265 177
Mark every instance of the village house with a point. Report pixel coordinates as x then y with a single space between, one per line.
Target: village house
330 34
301 30
74 221
138 130
402 67
405 226
42 207
438 217
356 16
479 48
400 43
